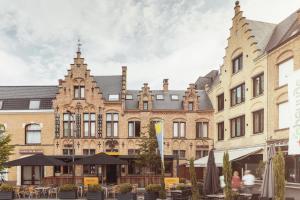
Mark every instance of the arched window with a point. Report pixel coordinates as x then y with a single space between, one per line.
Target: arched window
33 134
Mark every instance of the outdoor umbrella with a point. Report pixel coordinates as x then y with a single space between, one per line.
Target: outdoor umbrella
211 181
35 160
268 186
100 159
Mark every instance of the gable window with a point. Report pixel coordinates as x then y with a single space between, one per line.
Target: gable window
284 70
174 97
221 102
191 106
79 92
238 94
237 64
201 129
179 153
237 126
178 129
283 113
68 124
258 121
134 129
159 97
112 124
258 85
201 153
113 97
34 104
129 97
145 105
33 134
220 131
89 124
1 104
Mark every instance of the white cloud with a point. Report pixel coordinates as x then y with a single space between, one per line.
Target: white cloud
175 39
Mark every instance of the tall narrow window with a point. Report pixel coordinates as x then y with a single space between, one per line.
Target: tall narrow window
89 124
237 126
258 121
221 131
237 64
284 70
179 153
145 105
134 129
33 134
178 129
191 106
79 92
201 129
68 124
221 102
112 124
283 113
258 85
238 94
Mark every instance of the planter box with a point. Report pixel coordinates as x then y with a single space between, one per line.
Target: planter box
151 195
6 195
127 196
67 195
95 196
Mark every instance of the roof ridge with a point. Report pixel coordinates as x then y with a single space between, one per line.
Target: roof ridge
261 22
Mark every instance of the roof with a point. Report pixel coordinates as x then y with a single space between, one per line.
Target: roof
167 103
284 31
234 154
37 159
208 79
262 32
109 85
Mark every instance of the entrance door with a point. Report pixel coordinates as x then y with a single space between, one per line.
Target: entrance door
31 175
111 174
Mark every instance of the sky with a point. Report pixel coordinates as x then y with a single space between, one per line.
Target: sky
156 39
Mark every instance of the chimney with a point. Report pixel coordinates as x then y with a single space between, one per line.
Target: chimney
166 85
60 81
237 7
124 77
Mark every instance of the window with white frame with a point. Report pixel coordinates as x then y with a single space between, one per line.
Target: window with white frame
174 97
159 97
112 124
178 129
34 104
129 97
284 70
134 129
89 124
32 134
283 112
113 97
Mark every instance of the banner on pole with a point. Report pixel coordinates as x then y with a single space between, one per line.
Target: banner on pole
159 130
294 110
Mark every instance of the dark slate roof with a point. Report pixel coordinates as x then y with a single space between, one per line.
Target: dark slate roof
262 32
207 79
167 103
29 92
284 31
109 85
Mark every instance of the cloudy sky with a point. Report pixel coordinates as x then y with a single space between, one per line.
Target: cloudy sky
156 39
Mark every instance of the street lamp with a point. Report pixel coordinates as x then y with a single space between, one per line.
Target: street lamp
73 142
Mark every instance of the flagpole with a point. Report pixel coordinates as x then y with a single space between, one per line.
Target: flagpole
163 187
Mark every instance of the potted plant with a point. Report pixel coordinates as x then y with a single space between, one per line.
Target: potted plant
125 192
181 191
6 191
95 192
68 191
152 191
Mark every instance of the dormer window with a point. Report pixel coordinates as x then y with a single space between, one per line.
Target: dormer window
174 97
34 104
129 97
145 105
237 64
1 104
113 97
79 92
160 97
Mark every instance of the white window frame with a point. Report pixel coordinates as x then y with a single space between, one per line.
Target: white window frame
283 112
33 106
284 70
129 97
174 97
159 97
113 97
179 129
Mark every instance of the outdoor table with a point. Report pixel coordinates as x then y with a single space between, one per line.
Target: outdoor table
247 195
216 196
42 190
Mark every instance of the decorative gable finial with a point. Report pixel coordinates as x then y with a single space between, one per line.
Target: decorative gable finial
78 48
237 7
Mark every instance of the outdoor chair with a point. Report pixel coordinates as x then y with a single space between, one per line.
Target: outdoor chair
19 192
114 190
53 192
31 192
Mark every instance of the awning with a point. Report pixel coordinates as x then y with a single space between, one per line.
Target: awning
35 160
234 154
100 159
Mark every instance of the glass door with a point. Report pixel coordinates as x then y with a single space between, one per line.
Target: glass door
32 175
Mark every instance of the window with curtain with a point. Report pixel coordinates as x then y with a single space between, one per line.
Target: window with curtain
283 113
284 70
237 126
201 129
112 124
258 85
178 129
89 124
134 129
33 134
258 121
